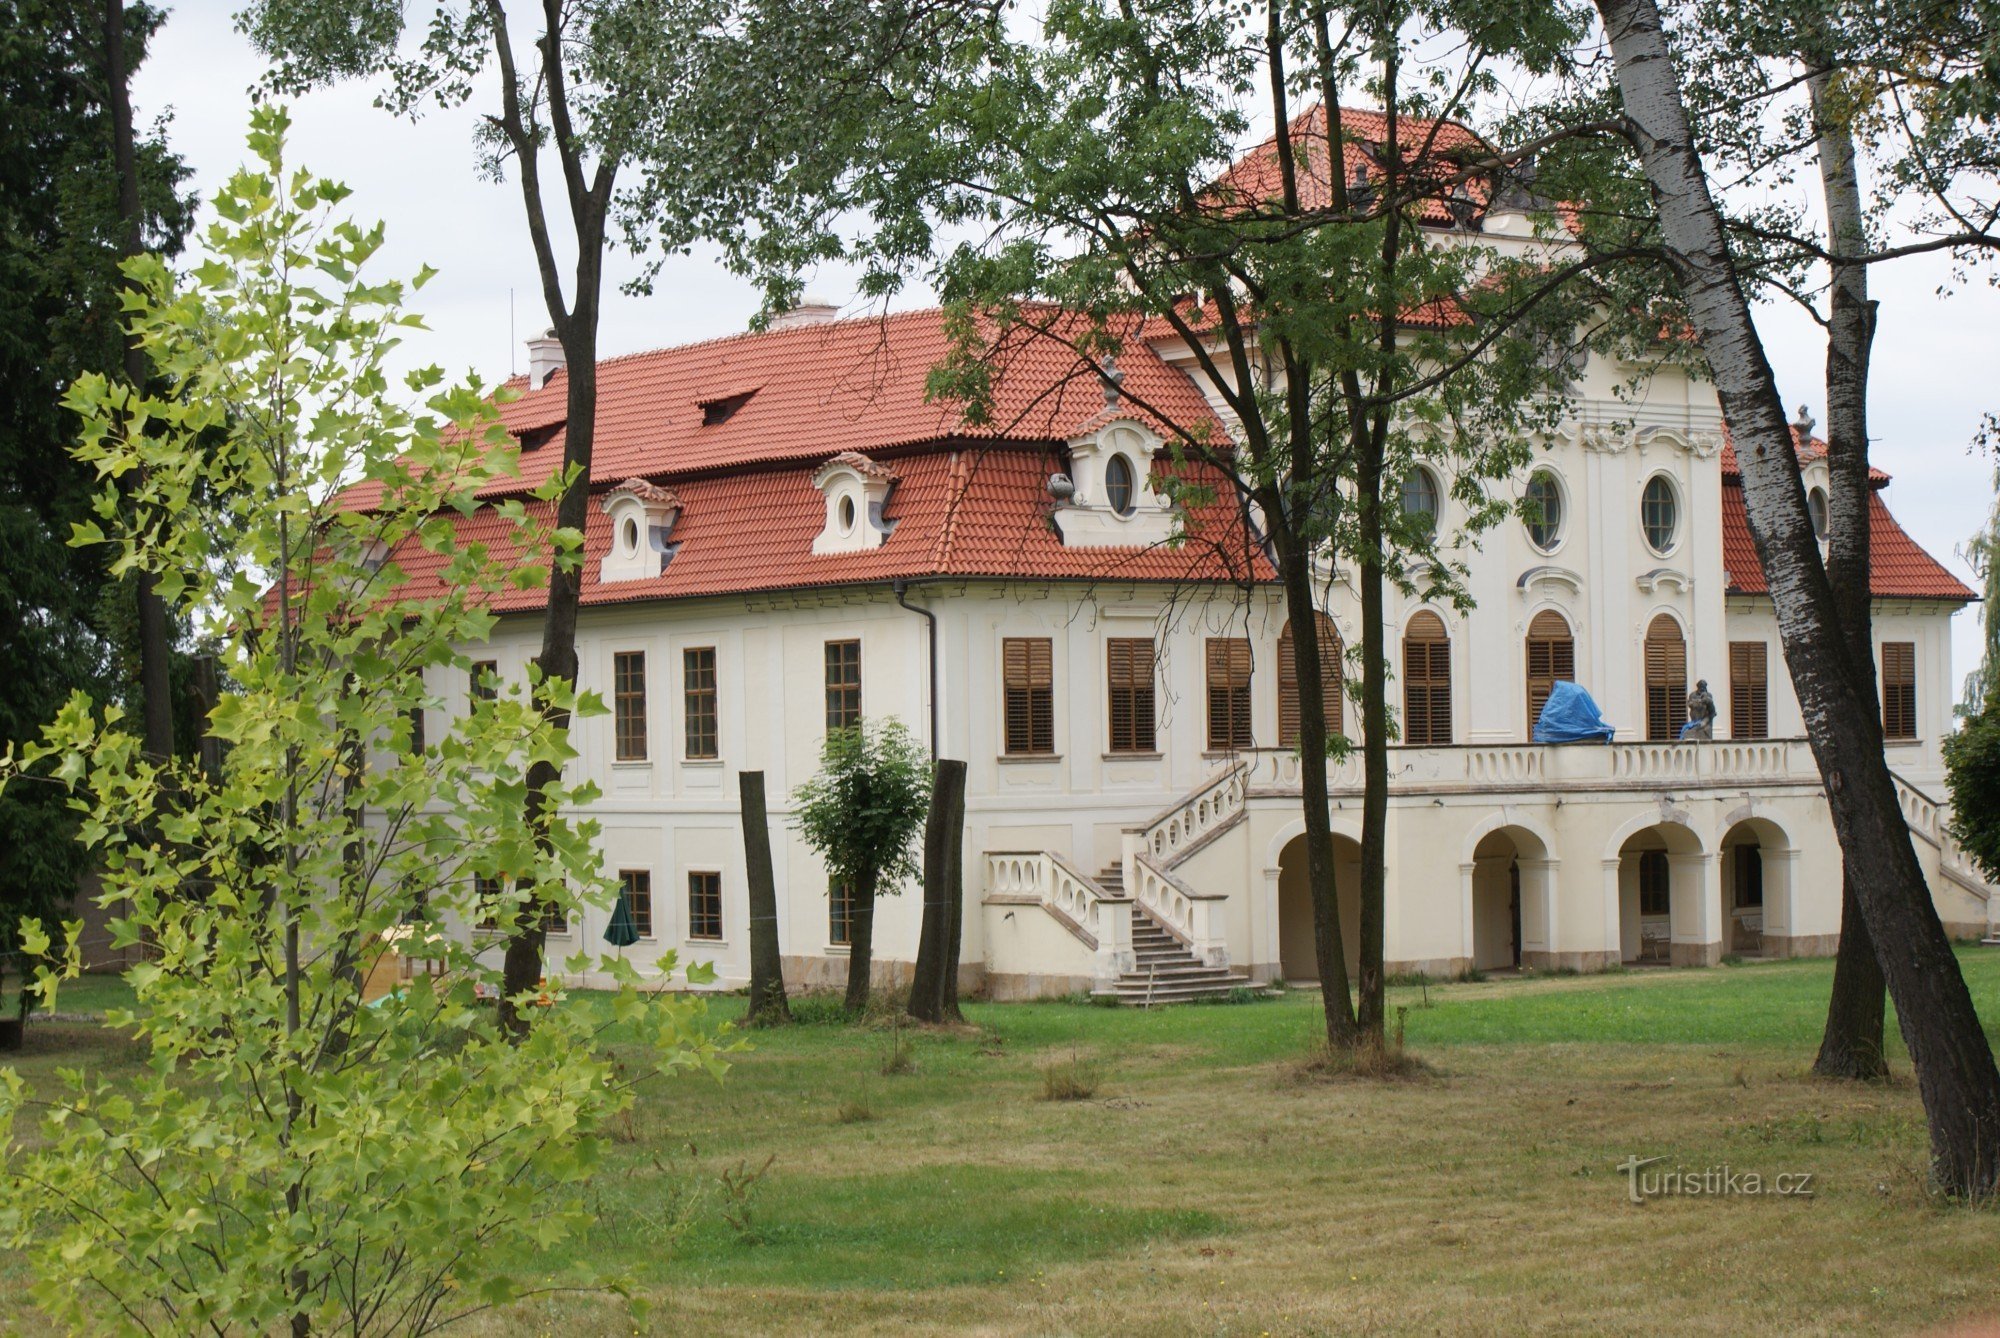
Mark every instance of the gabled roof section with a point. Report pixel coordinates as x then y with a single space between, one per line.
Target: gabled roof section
1425 143
1898 567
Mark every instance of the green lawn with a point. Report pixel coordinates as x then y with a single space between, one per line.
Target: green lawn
1208 1187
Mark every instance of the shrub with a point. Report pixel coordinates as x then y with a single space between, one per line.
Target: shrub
1073 1079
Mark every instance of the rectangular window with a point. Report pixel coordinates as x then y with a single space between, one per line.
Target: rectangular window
486 680
698 691
840 912
628 704
1749 690
1228 693
417 730
1655 881
554 919
637 885
704 905
1129 662
1028 672
486 895
843 684
1899 689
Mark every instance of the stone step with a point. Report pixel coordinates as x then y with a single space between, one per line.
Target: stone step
1129 991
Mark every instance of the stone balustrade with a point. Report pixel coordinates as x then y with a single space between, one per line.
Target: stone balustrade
1196 918
1174 831
1533 766
1100 921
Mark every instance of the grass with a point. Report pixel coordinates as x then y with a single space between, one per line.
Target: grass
1208 1189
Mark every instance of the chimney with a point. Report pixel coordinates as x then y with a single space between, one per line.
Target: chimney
811 311
545 359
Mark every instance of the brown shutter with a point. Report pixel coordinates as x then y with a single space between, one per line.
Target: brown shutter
1551 660
1228 693
1666 680
1329 677
1899 689
1027 667
1426 682
1130 667
1749 690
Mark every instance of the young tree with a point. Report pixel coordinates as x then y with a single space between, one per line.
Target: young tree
290 1156
736 122
862 812
1955 1066
1329 289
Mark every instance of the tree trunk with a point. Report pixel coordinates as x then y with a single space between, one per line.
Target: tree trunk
155 641
767 964
1851 1046
1955 1068
1328 950
954 900
934 961
1374 748
861 942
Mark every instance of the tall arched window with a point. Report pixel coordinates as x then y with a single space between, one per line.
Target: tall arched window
1666 679
1288 681
1426 682
1551 659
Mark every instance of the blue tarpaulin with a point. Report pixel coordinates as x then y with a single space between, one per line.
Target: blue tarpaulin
1570 716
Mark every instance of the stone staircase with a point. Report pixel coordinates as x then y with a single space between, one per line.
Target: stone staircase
1166 972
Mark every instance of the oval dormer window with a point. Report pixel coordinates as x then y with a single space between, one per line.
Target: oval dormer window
629 534
1816 508
847 515
1659 514
1118 484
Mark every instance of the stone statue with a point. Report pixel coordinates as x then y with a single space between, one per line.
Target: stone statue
1701 713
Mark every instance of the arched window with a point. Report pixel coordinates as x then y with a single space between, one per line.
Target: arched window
1659 514
1551 659
1288 682
1666 679
1118 484
1544 510
1420 496
1426 682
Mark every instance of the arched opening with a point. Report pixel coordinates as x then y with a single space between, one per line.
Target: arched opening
1510 892
1288 681
1666 680
1426 682
1296 956
1551 660
1661 919
1757 859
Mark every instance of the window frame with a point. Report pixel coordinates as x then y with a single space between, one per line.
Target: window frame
1560 526
1119 463
1670 489
1749 689
637 885
1332 680
1430 690
839 912
701 719
1027 696
1666 698
1431 484
1899 691
1558 655
1656 860
1139 734
628 707
848 687
1230 728
704 922
483 682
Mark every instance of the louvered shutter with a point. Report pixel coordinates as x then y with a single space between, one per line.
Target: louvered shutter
1228 693
1288 682
1551 660
1666 680
1426 682
1749 690
1027 669
1130 667
1899 689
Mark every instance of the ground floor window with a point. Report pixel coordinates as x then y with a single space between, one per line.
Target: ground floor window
637 885
1655 896
705 905
840 912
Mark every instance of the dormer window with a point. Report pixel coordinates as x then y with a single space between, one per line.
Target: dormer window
722 407
856 491
1118 483
1112 500
643 516
534 438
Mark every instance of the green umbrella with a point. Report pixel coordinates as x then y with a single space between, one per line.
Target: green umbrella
621 932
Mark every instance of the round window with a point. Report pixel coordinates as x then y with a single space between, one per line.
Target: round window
1118 484
1659 513
846 515
630 534
1420 495
1816 508
1543 511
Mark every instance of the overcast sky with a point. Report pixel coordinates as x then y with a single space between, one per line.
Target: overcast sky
1936 368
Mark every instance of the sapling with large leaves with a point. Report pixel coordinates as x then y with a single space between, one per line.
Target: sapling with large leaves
292 1156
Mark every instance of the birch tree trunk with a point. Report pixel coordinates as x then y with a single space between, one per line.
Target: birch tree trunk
1851 1045
1955 1068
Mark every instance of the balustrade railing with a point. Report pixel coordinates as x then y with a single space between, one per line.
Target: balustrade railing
1194 917
1544 766
1100 921
1173 831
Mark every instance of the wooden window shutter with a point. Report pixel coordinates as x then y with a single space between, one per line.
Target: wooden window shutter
1028 671
1426 682
1749 690
1666 680
1899 689
1228 693
1288 682
1551 660
1129 662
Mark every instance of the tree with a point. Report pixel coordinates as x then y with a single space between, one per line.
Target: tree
1955 1066
1972 770
933 984
767 963
862 812
735 122
1323 290
61 237
311 1158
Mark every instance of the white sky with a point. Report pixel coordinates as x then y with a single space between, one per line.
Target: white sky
1936 360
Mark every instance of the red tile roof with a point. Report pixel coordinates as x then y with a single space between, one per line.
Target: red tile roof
1898 568
979 511
1429 145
